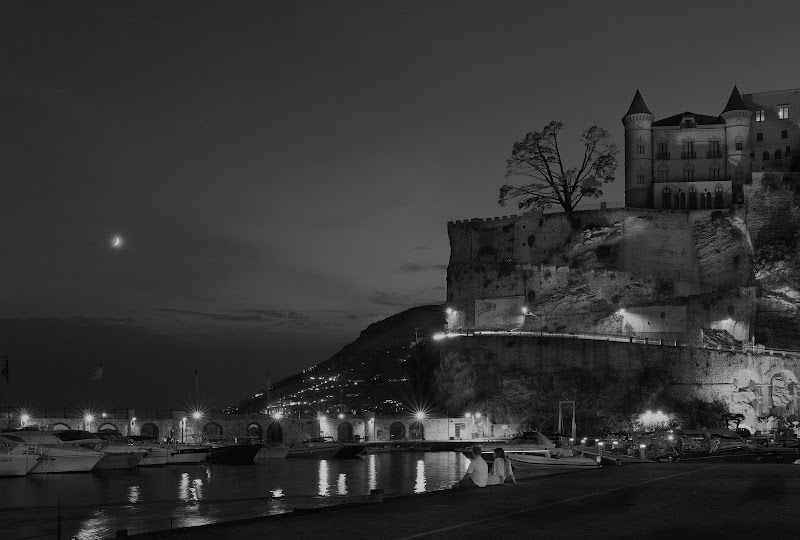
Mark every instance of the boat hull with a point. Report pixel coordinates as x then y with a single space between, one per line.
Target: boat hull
273 452
187 455
17 462
65 460
233 454
155 456
314 452
545 462
119 460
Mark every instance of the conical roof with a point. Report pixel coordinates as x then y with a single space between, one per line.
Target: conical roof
638 105
735 102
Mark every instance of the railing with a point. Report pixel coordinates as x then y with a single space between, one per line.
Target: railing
714 154
688 155
662 156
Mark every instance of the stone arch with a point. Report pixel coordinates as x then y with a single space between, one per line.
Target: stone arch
213 429
254 431
692 198
107 425
60 426
681 200
345 432
149 429
718 196
397 431
274 433
666 198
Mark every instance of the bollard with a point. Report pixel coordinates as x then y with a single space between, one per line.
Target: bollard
642 448
376 495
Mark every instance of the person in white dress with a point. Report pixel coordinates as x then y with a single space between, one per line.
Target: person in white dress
501 470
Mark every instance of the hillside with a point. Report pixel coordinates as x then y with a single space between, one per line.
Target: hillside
375 373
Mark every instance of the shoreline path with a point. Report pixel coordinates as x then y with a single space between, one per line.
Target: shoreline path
653 500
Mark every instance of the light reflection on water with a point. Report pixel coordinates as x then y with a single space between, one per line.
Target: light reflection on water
94 506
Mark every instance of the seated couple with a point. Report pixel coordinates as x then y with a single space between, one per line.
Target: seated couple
478 470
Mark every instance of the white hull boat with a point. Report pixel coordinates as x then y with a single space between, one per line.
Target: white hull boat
187 454
155 455
315 449
17 460
554 463
117 460
57 456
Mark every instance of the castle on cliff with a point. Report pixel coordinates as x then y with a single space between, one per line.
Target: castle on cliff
692 161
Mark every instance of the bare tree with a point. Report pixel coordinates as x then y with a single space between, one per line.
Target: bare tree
537 156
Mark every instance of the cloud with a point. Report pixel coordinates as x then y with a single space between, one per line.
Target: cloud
414 267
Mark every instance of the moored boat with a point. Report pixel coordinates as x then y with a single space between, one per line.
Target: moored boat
17 459
532 443
317 448
56 455
273 452
117 454
552 462
232 452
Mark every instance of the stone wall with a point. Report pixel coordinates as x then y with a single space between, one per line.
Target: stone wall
755 385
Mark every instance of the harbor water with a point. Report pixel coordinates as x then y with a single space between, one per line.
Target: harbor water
95 505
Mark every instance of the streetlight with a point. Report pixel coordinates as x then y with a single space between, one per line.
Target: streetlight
24 419
88 419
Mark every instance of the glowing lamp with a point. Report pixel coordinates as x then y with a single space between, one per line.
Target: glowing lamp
197 415
24 418
278 415
467 415
341 415
89 418
420 415
450 311
525 310
642 446
438 336
477 415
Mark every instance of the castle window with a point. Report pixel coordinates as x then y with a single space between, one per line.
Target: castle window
663 175
688 173
688 150
759 136
692 198
784 134
738 175
765 156
718 197
752 155
666 199
640 178
778 154
663 150
708 200
713 150
715 172
682 201
788 151
739 146
640 149
760 115
783 112
703 200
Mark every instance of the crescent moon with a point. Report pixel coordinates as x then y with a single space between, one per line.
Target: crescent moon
116 242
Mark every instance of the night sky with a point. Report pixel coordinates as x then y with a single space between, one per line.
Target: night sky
282 173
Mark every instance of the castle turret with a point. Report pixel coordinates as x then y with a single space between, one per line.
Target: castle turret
638 154
737 129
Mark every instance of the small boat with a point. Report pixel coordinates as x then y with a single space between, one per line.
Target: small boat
317 448
552 462
153 453
17 459
530 443
117 454
56 455
279 451
187 454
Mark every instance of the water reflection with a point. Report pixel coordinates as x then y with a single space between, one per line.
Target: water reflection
372 471
323 478
197 489
133 494
183 487
419 487
341 484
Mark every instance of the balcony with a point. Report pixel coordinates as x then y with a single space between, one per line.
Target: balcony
662 156
714 154
688 155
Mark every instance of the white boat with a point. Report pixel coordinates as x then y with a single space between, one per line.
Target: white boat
530 443
318 448
118 454
551 462
187 453
56 455
17 459
273 452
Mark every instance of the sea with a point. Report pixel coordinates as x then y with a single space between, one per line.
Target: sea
96 505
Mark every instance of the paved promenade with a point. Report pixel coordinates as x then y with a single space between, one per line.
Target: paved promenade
649 500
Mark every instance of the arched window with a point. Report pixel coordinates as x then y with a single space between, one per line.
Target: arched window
692 198
345 432
708 200
682 201
663 173
788 151
666 199
765 156
718 197
640 177
688 173
254 432
778 154
738 175
274 432
397 431
640 146
149 430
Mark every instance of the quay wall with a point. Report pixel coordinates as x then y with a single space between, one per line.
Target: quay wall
762 387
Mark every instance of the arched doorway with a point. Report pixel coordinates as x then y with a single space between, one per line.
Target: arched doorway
149 430
212 429
107 426
274 433
417 431
254 432
666 198
718 199
397 431
692 198
345 432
